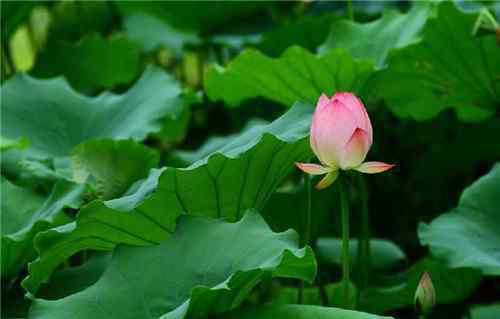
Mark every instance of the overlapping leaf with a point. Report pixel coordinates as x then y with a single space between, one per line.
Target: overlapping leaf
24 214
241 174
115 165
211 267
297 75
373 40
449 68
469 235
55 118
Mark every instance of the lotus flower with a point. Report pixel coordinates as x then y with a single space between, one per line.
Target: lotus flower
341 135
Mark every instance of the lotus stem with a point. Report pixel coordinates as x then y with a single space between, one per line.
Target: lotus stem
307 228
344 207
364 254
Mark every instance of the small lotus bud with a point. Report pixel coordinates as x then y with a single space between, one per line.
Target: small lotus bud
425 295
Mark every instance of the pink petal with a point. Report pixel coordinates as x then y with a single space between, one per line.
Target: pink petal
327 180
323 101
374 167
356 149
313 169
331 129
354 104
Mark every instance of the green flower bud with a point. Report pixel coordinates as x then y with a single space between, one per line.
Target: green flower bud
425 295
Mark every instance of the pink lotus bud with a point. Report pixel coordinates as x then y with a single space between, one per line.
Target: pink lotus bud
341 136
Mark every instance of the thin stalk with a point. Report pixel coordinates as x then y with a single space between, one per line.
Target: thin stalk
307 230
344 207
321 287
350 10
364 254
6 63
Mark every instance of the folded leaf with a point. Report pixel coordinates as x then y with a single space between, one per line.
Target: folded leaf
115 165
449 68
24 214
374 40
55 118
469 235
207 266
241 174
297 75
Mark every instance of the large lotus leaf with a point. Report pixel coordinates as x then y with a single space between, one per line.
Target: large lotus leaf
207 266
82 63
115 165
469 235
449 68
451 285
24 214
485 311
384 253
297 75
241 174
55 118
373 40
297 312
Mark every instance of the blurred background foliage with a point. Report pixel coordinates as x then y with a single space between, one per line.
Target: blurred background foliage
212 47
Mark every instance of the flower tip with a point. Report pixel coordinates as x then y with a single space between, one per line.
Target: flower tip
425 295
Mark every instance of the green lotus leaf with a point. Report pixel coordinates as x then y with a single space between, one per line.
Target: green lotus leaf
241 174
485 311
298 312
25 213
55 118
115 165
297 75
384 253
374 40
91 64
449 68
207 266
469 235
